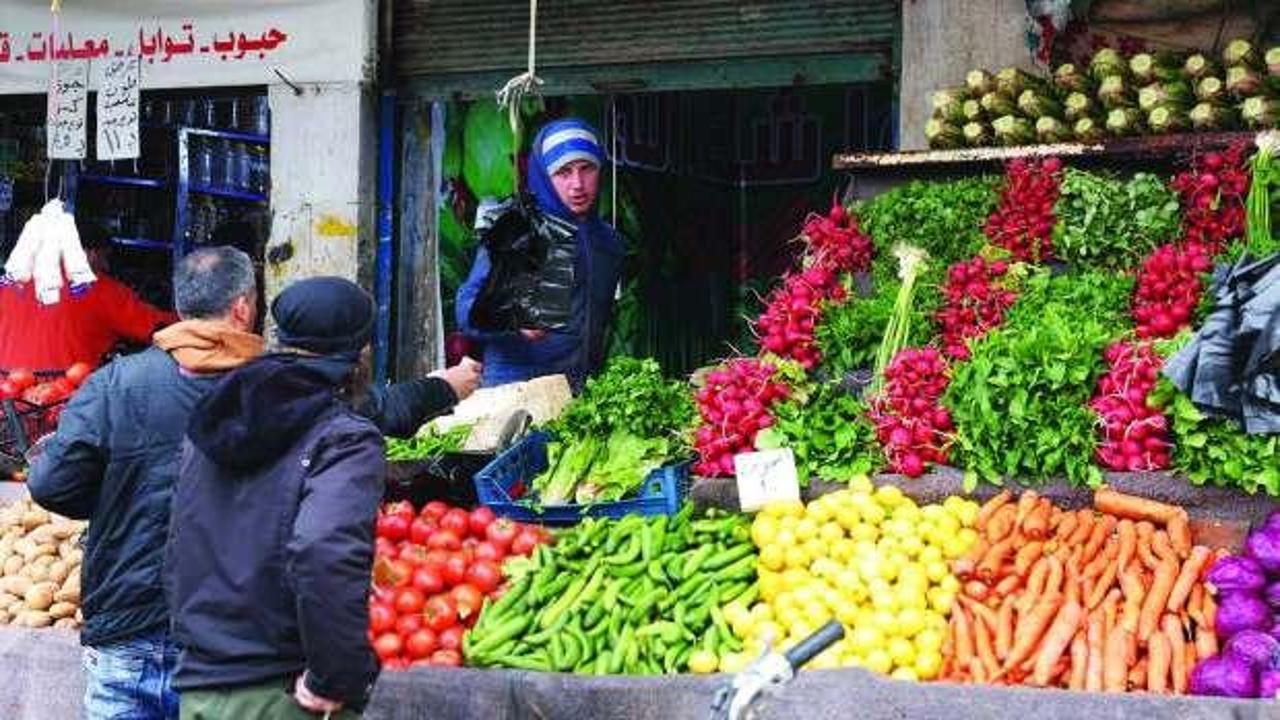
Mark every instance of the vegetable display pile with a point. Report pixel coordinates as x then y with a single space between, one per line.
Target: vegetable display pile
629 394
829 434
835 242
40 558
432 572
1115 95
977 296
639 596
735 405
1212 192
1134 436
590 470
872 559
1211 450
1247 588
47 398
1024 220
1108 598
428 444
786 328
1104 222
942 218
910 422
1168 288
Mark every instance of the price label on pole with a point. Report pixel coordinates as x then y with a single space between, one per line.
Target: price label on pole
118 101
68 109
765 477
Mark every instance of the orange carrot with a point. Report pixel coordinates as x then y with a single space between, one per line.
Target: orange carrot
980 611
1127 534
1026 503
1002 523
1179 528
1037 526
1084 527
1027 556
983 646
1206 643
1053 583
1194 603
1138 675
1134 593
1072 579
963 637
989 508
1066 525
976 589
1031 627
995 557
1103 585
1004 628
980 548
976 672
1120 504
1209 609
1154 604
1035 585
1159 660
1093 670
1008 585
1163 547
1177 652
1101 531
1187 578
1079 661
1111 611
1115 662
1145 553
1055 642
1190 661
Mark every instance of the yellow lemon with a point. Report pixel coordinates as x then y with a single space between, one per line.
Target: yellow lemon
879 661
905 673
787 508
968 513
936 571
954 547
950 583
861 484
911 621
928 664
889 496
733 662
843 550
848 517
703 661
773 557
771 584
865 638
948 525
734 610
806 529
848 614
968 536
873 514
942 600
764 529
831 532
902 652
819 511
933 512
816 548
795 557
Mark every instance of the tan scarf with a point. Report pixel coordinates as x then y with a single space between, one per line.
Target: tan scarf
208 346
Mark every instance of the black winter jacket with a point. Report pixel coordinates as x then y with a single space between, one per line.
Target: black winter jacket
113 462
271 541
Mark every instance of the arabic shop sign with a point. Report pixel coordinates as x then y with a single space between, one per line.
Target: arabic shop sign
188 44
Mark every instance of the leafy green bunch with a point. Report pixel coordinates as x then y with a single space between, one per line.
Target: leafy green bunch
829 433
631 394
1105 222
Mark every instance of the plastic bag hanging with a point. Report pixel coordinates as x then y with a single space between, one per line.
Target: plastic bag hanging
49 254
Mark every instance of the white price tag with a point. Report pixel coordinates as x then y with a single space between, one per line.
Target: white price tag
68 109
118 109
766 476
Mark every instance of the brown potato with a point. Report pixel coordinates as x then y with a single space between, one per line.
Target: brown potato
34 619
58 571
61 610
40 596
36 573
66 624
70 590
15 585
34 518
5 617
13 565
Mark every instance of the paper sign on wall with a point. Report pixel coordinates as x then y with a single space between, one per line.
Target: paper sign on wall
68 109
765 477
118 100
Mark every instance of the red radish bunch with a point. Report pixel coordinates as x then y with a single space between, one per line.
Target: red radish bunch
1135 435
1168 288
1212 195
835 242
735 405
1023 221
786 326
432 572
976 302
910 421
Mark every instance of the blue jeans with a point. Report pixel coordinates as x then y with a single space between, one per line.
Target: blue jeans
132 679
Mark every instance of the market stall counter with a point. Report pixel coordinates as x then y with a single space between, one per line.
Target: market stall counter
44 681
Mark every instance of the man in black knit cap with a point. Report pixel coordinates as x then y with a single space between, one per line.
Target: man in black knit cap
271 539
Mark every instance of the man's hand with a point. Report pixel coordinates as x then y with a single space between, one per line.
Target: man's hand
312 702
533 334
463 378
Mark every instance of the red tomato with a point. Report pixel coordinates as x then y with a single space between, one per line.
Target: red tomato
436 559
393 527
455 570
451 639
486 576
78 373
502 532
490 552
525 542
383 547
457 521
407 625
480 519
435 509
22 378
415 555
446 658
403 509
440 613
383 595
421 643
388 646
391 573
428 580
420 530
410 600
467 598
444 540
381 617
8 390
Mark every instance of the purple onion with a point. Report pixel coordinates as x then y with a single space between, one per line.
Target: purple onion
1224 676
1236 573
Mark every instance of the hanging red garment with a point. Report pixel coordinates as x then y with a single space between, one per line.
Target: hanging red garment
75 329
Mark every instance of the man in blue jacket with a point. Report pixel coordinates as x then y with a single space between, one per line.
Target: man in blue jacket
270 544
564 180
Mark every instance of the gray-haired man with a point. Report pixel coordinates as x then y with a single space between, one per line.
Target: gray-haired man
114 461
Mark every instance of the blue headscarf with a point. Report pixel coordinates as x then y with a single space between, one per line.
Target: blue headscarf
556 145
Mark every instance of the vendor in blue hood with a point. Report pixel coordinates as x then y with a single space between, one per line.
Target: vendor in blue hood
564 182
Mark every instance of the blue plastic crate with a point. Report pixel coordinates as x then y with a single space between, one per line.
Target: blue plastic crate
503 483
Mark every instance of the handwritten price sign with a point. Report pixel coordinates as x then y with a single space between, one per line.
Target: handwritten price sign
118 109
68 108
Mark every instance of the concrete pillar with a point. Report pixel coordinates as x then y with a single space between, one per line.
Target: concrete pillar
944 39
323 183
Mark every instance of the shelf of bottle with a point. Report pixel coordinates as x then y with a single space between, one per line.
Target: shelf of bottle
228 193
